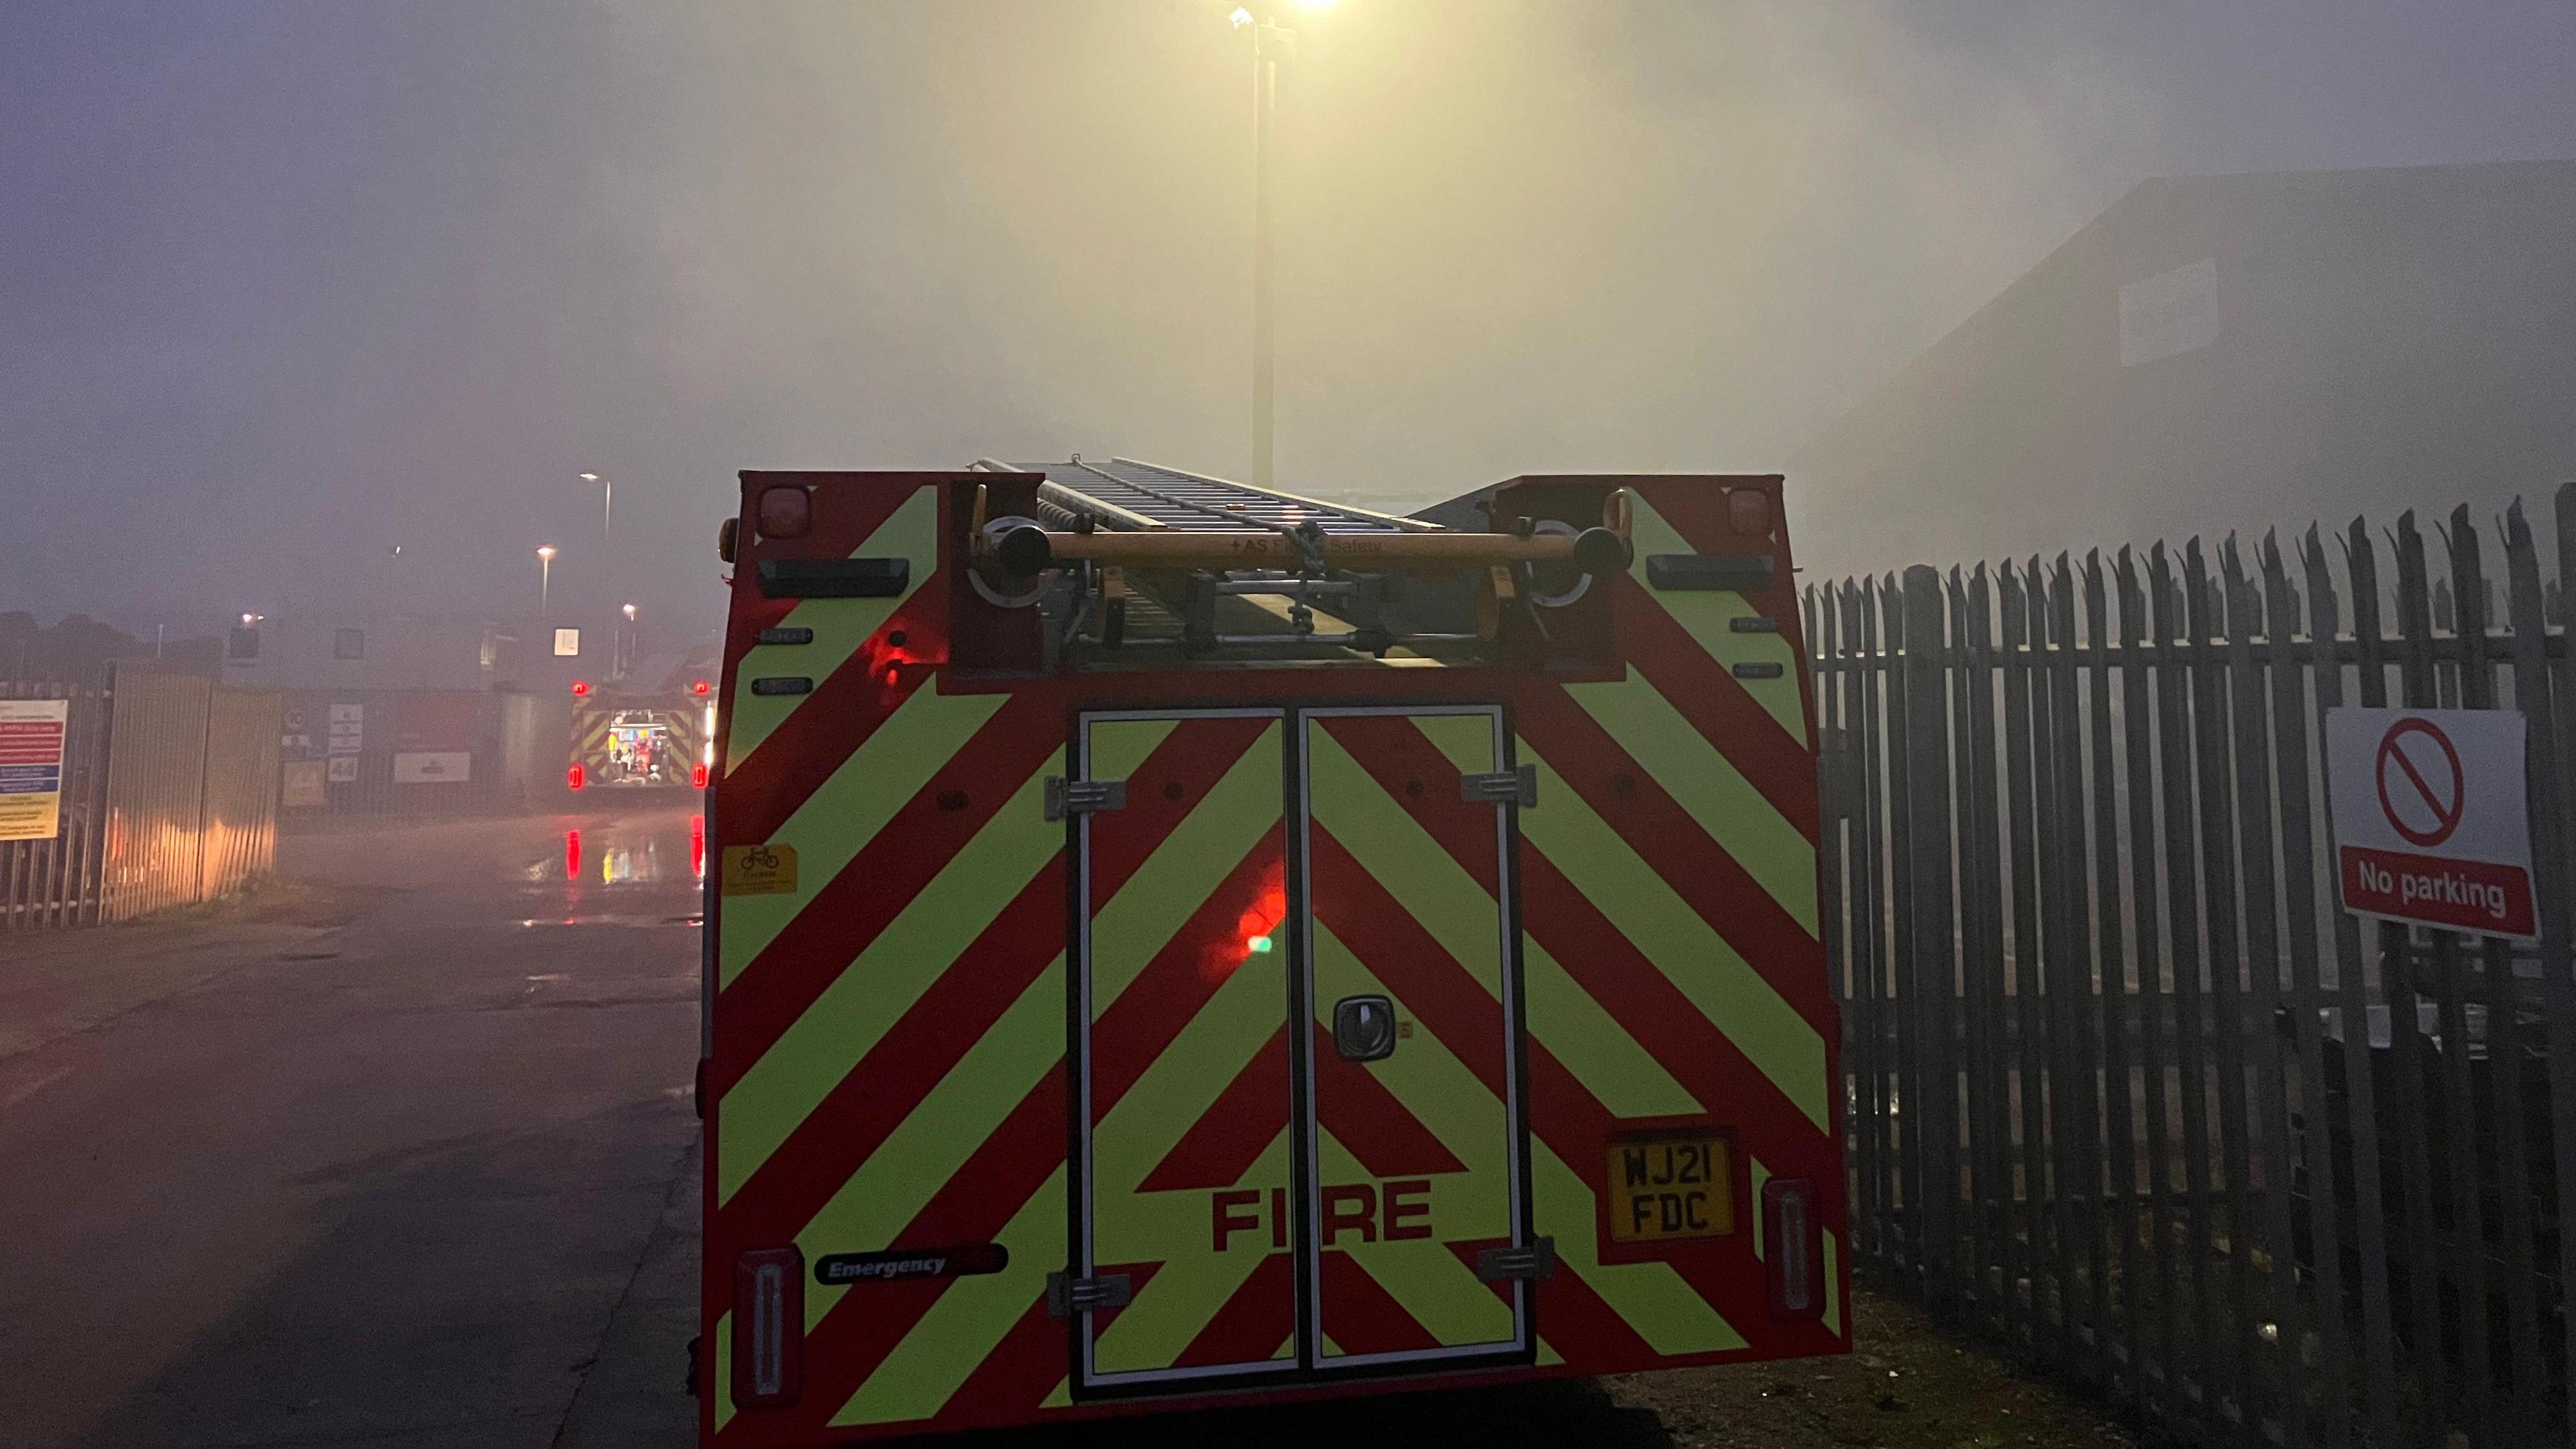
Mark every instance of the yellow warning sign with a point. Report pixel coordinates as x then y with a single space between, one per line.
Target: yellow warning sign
759 870
31 768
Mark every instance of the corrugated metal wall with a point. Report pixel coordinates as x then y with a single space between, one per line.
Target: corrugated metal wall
238 834
156 789
170 797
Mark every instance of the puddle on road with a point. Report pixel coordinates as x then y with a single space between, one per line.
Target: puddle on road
612 856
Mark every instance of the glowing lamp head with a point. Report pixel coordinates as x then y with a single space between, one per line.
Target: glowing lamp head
1258 945
546 551
1240 18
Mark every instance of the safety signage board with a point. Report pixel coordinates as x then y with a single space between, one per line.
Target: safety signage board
31 767
2432 825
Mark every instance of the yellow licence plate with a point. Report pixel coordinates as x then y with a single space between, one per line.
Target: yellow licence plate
1671 1187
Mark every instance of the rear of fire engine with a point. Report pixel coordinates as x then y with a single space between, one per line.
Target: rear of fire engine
1178 943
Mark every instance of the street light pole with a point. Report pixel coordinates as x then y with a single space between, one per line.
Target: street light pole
545 576
607 500
1265 99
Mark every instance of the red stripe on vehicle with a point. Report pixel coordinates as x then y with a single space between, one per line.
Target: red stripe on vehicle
1236 1128
1573 1319
1371 1121
1015 1379
1626 983
1732 721
1254 1321
890 1081
1696 866
858 1332
845 708
1360 1316
778 985
1147 1017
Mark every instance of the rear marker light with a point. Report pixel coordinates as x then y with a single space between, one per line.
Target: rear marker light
1795 1242
785 512
574 777
1748 510
768 1328
698 777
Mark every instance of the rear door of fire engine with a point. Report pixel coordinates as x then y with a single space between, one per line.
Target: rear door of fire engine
1297 1017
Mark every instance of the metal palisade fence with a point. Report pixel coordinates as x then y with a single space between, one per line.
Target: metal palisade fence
2126 1089
169 797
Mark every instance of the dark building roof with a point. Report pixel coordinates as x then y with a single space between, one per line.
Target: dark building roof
2228 352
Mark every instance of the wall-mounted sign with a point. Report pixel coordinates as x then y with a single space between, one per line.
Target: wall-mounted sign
2432 823
31 767
567 643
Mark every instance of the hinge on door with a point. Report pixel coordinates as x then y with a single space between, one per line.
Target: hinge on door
1080 797
1502 787
1535 1263
1068 1295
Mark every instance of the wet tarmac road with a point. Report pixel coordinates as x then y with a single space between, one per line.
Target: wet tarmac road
370 1163
402 1156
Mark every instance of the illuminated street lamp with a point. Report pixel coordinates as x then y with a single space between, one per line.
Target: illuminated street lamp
545 574
1271 43
628 610
607 497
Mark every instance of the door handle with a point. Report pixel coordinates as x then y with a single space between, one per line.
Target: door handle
1364 1028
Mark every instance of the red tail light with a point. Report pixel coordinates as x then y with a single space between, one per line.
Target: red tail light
575 776
581 686
698 776
698 688
768 1328
1795 1242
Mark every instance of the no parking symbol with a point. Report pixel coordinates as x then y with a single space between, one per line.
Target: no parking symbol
2432 826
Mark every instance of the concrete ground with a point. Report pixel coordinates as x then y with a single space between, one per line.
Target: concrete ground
369 1159
400 1154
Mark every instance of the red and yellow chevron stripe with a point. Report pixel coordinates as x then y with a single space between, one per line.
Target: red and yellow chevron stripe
1104 1071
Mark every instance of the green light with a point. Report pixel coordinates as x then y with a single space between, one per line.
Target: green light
1260 945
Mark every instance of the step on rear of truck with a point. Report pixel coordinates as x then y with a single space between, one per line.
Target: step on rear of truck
1170 943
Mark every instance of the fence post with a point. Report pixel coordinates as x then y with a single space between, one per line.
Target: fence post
2121 1348
2028 1292
2263 956
2307 994
2495 983
1927 732
1869 889
2429 685
1904 1038
2543 719
1981 896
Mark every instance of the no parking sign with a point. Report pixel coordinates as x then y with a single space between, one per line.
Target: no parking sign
2432 825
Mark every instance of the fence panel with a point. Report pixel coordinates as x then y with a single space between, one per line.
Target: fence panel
238 822
2127 1090
54 882
170 796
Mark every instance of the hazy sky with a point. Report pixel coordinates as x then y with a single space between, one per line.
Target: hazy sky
285 284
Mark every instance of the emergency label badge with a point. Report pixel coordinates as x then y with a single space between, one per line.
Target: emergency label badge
895 1264
759 870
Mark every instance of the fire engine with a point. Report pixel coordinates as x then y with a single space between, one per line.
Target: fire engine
1176 943
630 735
